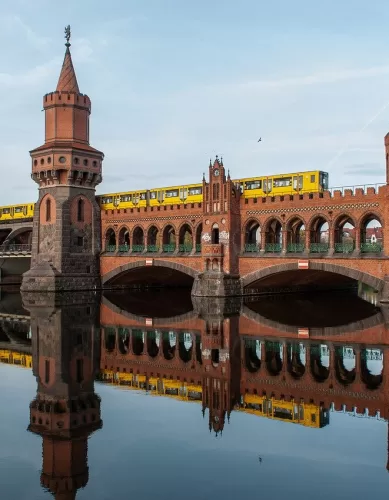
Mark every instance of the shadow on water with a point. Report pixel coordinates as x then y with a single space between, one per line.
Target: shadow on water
320 310
156 303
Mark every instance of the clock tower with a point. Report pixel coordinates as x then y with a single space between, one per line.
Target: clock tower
220 238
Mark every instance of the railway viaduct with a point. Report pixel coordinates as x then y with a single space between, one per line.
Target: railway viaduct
223 246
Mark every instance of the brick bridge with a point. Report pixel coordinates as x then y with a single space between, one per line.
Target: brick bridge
223 246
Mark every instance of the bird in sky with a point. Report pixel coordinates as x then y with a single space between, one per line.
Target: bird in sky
260 139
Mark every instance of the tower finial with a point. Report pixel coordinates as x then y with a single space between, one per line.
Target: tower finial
67 35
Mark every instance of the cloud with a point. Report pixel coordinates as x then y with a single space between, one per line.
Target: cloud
13 24
364 169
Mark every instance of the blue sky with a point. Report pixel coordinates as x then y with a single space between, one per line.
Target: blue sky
173 83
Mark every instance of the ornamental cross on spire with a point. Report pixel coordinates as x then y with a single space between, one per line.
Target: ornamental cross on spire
67 35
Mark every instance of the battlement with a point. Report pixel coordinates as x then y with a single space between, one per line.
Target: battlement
66 99
337 194
164 209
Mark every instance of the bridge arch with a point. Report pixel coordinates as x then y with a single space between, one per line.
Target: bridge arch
349 272
120 270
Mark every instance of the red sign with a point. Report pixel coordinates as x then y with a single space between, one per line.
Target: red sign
149 262
303 264
303 332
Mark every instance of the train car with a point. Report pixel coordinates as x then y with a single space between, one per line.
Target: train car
282 184
176 195
129 199
16 212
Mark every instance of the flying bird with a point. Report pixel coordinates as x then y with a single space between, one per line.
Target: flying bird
260 139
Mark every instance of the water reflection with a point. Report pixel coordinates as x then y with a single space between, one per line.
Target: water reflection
226 356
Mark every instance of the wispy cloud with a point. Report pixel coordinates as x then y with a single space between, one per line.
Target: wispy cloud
364 169
14 25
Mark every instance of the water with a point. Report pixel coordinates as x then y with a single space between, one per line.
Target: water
152 396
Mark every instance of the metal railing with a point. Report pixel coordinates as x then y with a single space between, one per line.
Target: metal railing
319 247
295 247
15 248
185 247
152 248
342 189
168 247
124 248
110 248
137 248
273 247
198 247
371 247
251 248
344 247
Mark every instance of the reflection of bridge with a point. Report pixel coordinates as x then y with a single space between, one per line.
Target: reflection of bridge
223 245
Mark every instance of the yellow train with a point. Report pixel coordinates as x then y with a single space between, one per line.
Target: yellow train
14 212
312 181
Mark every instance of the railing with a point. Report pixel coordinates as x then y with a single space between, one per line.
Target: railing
110 248
319 247
152 248
344 247
342 189
371 247
273 247
185 247
15 248
198 247
251 248
168 247
295 247
137 248
124 248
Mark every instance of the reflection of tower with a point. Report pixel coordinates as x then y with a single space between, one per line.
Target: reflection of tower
66 410
221 362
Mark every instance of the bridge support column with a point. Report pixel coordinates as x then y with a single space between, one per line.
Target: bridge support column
217 284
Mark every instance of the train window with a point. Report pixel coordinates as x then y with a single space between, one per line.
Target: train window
267 185
282 182
107 200
324 180
125 198
18 210
172 194
298 182
143 196
6 211
153 195
313 178
253 184
196 190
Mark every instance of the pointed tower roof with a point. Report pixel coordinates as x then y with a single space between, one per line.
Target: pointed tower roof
67 79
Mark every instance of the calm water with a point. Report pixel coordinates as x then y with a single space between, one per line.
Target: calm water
152 396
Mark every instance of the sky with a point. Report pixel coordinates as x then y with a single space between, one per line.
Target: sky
175 83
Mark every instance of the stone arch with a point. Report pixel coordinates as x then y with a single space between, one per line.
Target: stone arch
110 239
371 238
20 236
124 238
47 210
169 238
80 210
318 227
152 237
199 230
273 228
215 234
185 237
252 235
138 239
366 278
142 263
295 233
344 230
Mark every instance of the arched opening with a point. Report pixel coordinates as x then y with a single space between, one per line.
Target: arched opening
252 236
124 340
138 240
344 235
169 342
371 235
253 354
199 357
48 210
124 240
152 239
185 239
110 240
345 365
273 237
199 230
153 340
138 342
110 339
169 239
320 362
296 359
215 234
319 236
215 357
215 265
185 347
274 357
296 235
80 210
372 366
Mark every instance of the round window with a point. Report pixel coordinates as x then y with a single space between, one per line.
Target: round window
62 159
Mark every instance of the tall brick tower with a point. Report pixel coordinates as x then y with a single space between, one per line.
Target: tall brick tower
66 410
221 235
66 231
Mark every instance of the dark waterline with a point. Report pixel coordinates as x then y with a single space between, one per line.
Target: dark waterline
210 439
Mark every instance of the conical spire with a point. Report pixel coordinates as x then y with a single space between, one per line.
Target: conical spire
67 79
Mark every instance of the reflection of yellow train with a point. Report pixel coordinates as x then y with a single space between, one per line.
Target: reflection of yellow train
13 212
306 414
15 358
252 187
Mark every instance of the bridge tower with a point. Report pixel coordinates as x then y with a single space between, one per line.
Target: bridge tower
221 235
66 410
66 228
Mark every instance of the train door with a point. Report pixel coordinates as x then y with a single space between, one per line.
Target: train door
116 200
183 194
297 182
267 185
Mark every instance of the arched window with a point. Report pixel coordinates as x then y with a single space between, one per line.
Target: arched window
48 210
215 234
80 210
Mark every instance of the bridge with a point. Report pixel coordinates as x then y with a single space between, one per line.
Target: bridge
224 244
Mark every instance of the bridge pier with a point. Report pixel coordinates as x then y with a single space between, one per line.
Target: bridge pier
217 284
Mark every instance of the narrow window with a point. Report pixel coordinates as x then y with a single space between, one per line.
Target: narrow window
47 371
48 210
80 370
80 210
80 241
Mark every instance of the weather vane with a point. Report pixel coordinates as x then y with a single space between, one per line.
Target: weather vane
67 35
